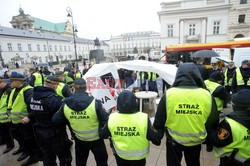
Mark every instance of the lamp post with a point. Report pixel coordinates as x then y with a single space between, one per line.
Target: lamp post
74 28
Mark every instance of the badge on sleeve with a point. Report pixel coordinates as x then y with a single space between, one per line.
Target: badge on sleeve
223 134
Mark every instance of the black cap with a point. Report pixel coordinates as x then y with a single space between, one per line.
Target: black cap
241 99
58 73
216 76
80 81
53 80
245 61
17 76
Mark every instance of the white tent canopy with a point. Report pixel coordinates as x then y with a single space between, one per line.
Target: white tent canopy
165 71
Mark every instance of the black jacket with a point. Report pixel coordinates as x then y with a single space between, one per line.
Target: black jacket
42 105
187 76
78 102
126 104
66 91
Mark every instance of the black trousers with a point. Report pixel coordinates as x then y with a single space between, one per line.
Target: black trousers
97 147
52 147
6 135
15 132
122 162
225 161
174 154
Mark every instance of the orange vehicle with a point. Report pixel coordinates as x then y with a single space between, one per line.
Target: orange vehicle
183 52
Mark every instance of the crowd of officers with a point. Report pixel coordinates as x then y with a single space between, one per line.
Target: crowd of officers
35 112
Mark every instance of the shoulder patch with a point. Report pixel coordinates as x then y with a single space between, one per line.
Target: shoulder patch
223 134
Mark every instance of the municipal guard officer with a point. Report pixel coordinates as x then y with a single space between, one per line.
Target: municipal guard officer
77 74
17 110
232 138
68 75
241 79
130 132
152 77
36 78
62 89
5 90
228 76
217 90
43 103
85 115
188 112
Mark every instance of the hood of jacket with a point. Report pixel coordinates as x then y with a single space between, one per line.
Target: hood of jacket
126 102
188 75
41 92
79 101
243 117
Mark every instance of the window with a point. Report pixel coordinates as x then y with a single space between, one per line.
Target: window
50 47
19 46
65 48
242 18
69 48
191 29
38 47
216 29
170 30
55 48
60 48
44 47
29 47
243 1
9 46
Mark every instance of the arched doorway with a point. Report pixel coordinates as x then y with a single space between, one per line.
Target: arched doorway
238 36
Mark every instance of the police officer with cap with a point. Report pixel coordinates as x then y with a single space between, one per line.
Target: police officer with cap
36 78
241 79
228 76
5 90
130 131
85 115
62 89
17 110
43 103
232 138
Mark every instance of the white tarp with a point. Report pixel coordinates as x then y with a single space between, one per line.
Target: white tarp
165 71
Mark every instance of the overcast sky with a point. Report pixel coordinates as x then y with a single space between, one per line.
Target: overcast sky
94 18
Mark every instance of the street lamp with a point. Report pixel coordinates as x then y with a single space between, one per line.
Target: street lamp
74 28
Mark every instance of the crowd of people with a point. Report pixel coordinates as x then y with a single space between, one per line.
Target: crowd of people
36 110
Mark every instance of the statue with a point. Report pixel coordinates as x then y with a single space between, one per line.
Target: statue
97 43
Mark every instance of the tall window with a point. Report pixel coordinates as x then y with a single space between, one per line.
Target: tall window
191 29
9 46
242 18
216 29
55 48
44 47
65 48
38 47
60 48
69 48
19 46
50 48
170 30
29 47
243 1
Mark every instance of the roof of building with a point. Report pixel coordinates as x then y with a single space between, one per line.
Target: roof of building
6 31
48 26
141 34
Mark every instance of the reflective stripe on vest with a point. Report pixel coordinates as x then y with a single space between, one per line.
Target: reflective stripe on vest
189 108
18 109
67 78
241 141
227 82
3 108
154 77
143 77
211 86
38 80
59 89
84 123
129 135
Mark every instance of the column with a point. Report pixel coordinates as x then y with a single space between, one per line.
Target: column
203 30
181 30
